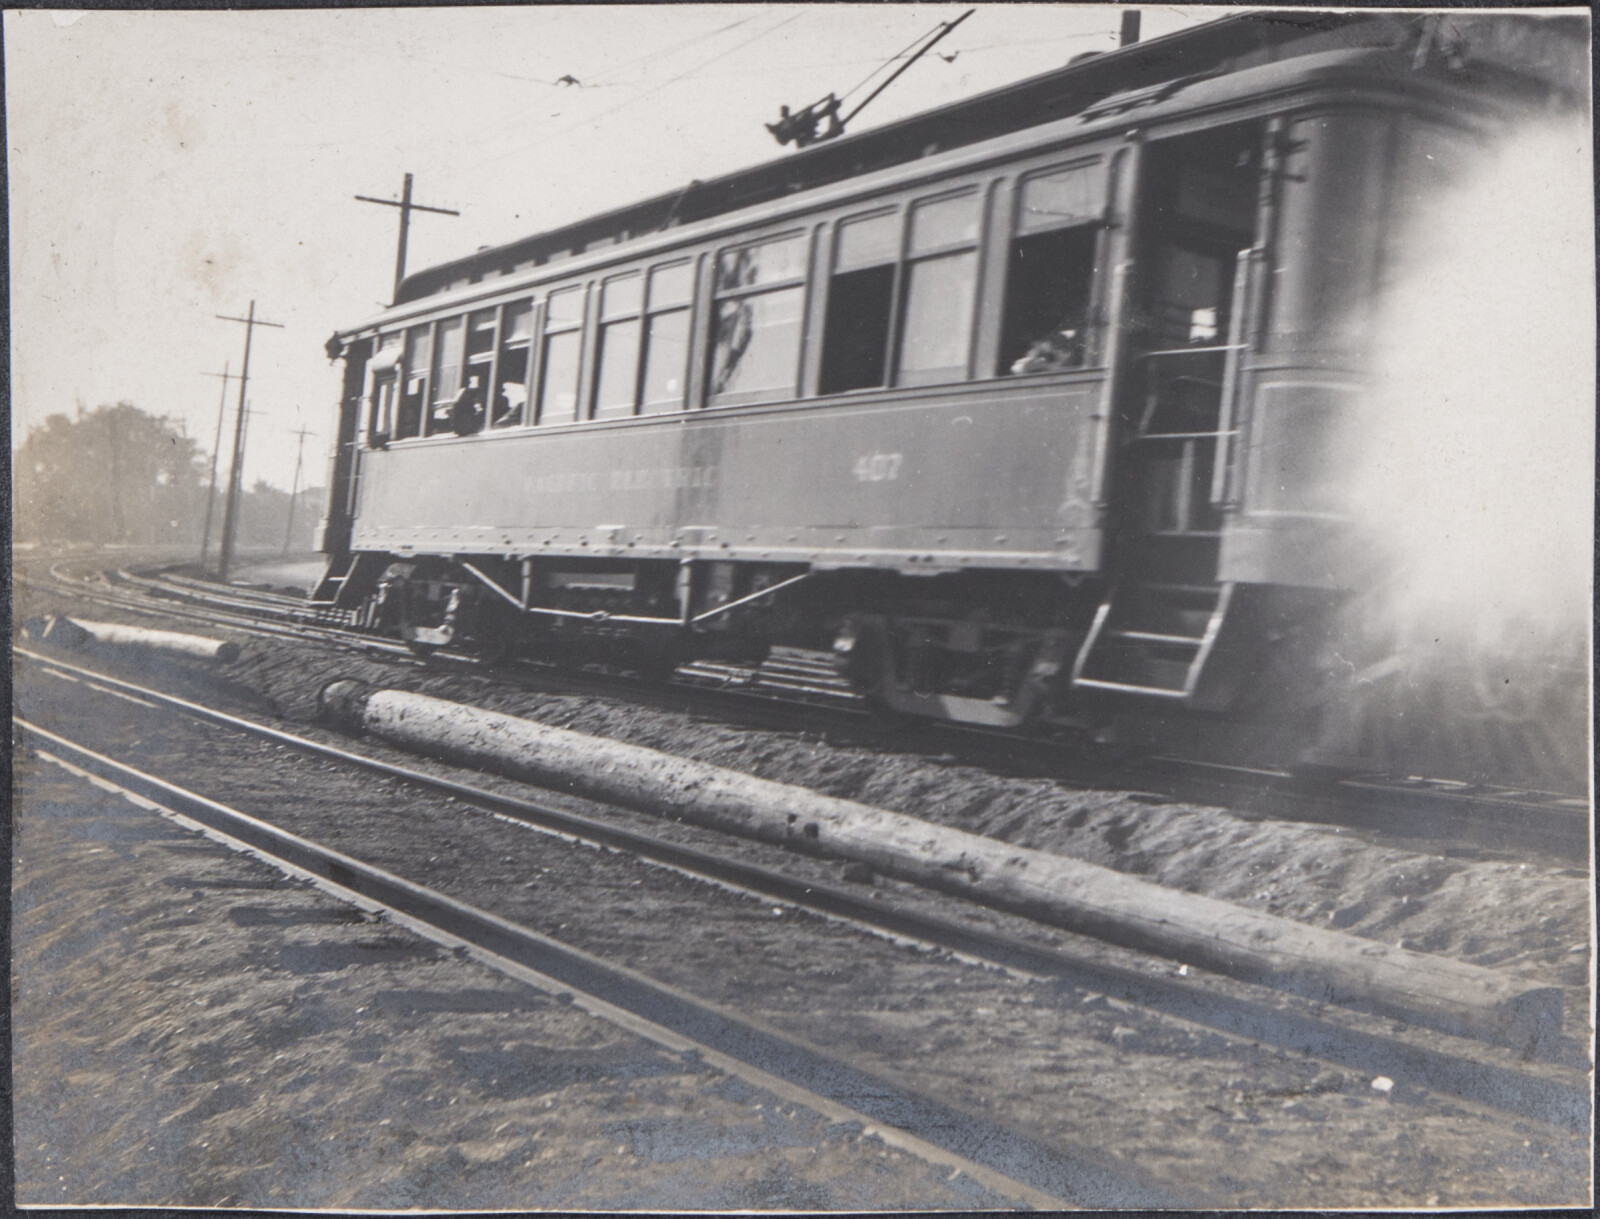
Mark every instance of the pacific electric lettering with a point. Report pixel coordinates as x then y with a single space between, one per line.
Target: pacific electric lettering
656 478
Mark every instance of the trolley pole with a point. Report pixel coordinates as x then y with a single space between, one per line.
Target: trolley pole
299 453
231 507
216 450
406 208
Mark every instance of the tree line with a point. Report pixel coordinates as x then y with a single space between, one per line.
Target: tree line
119 475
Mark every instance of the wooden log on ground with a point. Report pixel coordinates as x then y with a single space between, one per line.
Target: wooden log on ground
80 632
1327 966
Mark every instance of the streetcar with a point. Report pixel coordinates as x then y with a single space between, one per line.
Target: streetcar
1022 409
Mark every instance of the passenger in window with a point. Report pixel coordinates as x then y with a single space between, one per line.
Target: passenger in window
1062 348
1046 326
466 412
509 401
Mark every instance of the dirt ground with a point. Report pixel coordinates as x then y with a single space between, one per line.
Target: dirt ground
1324 1128
194 1029
1531 917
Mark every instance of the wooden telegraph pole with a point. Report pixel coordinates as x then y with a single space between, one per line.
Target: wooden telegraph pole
406 208
230 511
216 451
299 453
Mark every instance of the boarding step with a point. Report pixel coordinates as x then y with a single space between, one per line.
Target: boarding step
348 579
1152 640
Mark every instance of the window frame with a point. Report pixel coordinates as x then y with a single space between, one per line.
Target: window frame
1096 161
604 322
973 246
802 280
504 311
432 404
1099 163
427 330
899 209
996 196
469 367
467 362
383 408
649 314
580 327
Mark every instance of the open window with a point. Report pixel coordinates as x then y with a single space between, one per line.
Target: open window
383 371
414 381
561 355
469 408
509 404
449 346
1050 271
1200 209
913 274
758 315
855 343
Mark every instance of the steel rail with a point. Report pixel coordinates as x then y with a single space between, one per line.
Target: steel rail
1014 1164
1432 809
243 600
294 601
255 592
1241 1010
239 622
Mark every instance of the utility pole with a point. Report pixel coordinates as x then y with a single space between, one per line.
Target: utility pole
299 452
232 504
216 451
119 527
406 208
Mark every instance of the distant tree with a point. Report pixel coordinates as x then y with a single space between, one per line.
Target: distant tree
264 518
115 474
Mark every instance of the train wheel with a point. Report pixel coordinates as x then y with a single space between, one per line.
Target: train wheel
498 633
866 651
653 658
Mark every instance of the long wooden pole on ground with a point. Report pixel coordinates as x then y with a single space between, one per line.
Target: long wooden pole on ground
81 632
1327 966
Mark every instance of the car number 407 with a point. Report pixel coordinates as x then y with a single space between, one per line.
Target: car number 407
878 467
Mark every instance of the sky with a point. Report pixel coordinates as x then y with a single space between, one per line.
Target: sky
167 167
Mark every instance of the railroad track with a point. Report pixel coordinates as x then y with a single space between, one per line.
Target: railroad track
1030 1173
160 600
794 689
1553 1092
797 1072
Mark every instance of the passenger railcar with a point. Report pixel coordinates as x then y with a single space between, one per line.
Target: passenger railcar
1021 407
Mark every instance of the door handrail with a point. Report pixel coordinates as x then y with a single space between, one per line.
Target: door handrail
1186 435
1244 265
1193 351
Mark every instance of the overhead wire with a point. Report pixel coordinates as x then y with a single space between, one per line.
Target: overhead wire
598 81
983 48
676 47
317 43
897 56
593 119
